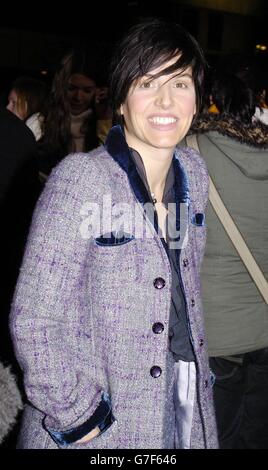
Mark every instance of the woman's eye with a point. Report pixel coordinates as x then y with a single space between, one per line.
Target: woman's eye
146 85
180 85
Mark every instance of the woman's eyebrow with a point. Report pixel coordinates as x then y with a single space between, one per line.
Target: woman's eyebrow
150 76
184 75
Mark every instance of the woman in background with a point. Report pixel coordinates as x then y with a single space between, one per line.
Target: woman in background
78 117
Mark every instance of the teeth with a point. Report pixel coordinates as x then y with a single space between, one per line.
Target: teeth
162 120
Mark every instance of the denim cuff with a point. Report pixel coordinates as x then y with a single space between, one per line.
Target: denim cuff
102 417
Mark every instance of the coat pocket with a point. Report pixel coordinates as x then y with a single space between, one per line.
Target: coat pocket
114 239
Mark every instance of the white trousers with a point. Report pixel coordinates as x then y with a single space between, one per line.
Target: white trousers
184 395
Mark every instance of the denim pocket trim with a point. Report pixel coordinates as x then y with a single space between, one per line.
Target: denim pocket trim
112 240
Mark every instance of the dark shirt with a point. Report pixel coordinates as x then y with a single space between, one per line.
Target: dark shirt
180 343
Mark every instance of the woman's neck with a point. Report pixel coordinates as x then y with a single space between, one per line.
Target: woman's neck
156 172
156 163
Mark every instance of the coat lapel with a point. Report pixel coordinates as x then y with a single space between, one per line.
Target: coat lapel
181 187
117 147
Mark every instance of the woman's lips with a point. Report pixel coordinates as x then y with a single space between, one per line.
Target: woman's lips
161 122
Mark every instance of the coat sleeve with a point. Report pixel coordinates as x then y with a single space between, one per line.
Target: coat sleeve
49 312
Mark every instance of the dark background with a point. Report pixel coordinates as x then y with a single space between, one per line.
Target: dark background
34 37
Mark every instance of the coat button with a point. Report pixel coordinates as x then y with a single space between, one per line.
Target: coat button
192 302
158 328
185 262
201 342
155 372
159 283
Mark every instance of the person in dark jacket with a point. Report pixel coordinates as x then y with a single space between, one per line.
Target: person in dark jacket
19 189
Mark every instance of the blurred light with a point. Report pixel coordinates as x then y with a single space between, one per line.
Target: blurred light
261 47
43 72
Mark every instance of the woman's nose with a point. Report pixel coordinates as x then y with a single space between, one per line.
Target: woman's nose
79 95
164 97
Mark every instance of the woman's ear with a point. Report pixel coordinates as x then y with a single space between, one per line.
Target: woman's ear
121 110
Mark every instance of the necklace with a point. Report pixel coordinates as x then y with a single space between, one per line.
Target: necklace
153 198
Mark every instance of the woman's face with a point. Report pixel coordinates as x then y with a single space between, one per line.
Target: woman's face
15 105
81 93
158 112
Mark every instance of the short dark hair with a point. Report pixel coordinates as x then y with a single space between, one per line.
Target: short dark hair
31 91
148 45
233 97
79 60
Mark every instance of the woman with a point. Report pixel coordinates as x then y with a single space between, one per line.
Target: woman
235 149
77 116
110 299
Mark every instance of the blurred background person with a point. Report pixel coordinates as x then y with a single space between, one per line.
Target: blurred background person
78 116
235 148
19 190
26 99
261 91
253 72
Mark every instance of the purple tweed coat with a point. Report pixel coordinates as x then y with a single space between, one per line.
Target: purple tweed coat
83 310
